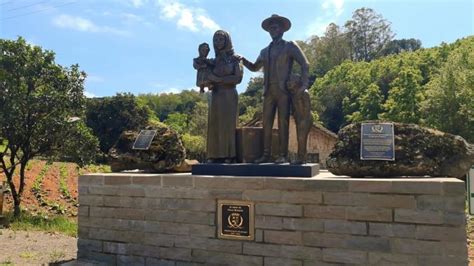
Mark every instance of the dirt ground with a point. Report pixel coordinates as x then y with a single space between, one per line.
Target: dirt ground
35 248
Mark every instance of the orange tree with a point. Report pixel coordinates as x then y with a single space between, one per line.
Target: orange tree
38 99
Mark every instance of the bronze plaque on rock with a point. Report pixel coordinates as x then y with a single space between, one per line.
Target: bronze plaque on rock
144 139
377 141
235 220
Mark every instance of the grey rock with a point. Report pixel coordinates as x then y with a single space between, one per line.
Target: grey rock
419 151
165 153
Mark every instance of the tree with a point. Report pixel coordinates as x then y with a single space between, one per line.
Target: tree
178 122
449 104
432 87
369 105
334 49
402 45
197 121
110 116
195 146
81 145
165 103
368 33
37 99
251 101
405 97
329 93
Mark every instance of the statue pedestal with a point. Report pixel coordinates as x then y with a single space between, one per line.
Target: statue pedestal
174 219
265 169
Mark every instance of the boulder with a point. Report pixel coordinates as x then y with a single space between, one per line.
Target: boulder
165 153
419 151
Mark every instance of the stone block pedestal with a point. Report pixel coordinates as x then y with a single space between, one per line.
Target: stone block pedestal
170 219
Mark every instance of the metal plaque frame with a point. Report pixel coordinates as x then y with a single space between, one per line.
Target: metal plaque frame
470 190
150 134
238 206
377 132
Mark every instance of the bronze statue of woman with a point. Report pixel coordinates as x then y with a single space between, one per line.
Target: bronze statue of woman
222 119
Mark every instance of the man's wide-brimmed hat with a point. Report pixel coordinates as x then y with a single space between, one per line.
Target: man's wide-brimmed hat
284 22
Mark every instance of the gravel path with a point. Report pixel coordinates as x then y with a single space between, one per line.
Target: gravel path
35 248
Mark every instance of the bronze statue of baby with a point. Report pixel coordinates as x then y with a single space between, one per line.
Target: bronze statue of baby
203 67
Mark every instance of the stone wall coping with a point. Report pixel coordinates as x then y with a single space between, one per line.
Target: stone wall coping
324 175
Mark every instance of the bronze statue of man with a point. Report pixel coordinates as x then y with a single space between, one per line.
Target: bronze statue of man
277 61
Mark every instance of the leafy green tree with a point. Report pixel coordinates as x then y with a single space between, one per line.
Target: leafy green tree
402 45
165 103
334 49
251 101
369 105
449 104
328 94
432 87
195 146
368 33
197 121
81 145
405 97
37 99
110 116
178 122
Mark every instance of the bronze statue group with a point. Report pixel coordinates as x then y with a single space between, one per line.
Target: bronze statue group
282 90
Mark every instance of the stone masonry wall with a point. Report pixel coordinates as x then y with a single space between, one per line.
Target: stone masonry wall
170 219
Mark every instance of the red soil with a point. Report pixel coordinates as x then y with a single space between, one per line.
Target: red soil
50 189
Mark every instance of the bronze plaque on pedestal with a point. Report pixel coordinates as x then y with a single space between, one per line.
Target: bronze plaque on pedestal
235 220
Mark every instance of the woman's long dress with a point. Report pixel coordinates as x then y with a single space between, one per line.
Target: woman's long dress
222 119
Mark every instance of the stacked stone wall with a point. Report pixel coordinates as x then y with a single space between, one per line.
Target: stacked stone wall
171 220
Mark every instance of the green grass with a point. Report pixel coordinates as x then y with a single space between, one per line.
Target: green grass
7 261
39 180
42 222
30 165
63 189
95 168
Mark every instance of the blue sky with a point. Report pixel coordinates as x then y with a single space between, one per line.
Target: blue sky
147 46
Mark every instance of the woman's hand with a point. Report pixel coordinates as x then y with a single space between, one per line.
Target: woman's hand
239 57
214 78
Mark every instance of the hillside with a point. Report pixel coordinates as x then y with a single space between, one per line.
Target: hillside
432 87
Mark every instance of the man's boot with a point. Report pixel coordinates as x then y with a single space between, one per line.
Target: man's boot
263 159
282 159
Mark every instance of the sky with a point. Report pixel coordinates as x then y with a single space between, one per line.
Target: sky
147 46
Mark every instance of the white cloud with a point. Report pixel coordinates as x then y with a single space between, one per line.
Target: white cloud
169 10
171 90
94 78
207 23
175 90
186 20
318 27
166 88
138 3
84 25
186 17
332 10
335 6
89 94
134 19
157 85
